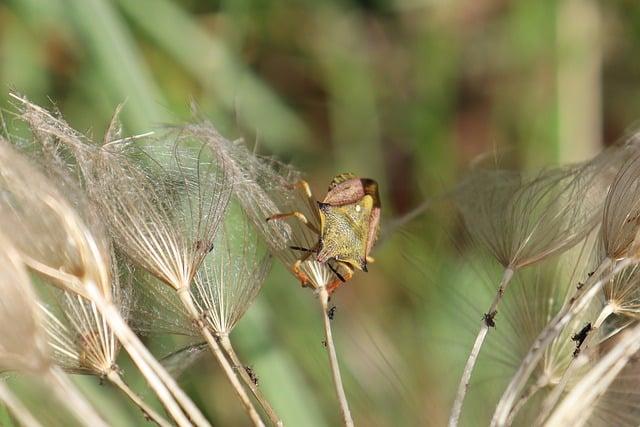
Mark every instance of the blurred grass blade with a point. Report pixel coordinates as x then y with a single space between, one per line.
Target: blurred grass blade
113 46
216 69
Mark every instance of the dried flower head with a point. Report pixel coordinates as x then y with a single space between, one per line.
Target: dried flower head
95 163
524 220
23 346
79 336
162 205
602 382
621 295
265 187
620 404
541 292
621 220
226 284
231 276
48 232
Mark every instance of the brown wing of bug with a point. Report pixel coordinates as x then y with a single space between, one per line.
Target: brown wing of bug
350 217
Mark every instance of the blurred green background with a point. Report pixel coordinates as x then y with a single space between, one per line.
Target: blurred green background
408 92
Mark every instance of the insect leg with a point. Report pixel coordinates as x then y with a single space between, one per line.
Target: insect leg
298 215
304 186
300 275
338 275
298 248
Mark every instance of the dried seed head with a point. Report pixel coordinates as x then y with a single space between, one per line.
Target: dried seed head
621 219
524 220
224 288
22 344
231 276
619 405
165 219
622 293
265 187
608 393
48 232
162 205
540 293
80 339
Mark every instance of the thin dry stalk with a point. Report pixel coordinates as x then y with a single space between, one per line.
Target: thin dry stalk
265 188
70 397
620 298
168 391
152 415
82 342
226 285
487 322
23 345
189 304
53 241
17 408
223 289
251 383
555 395
323 296
580 402
576 304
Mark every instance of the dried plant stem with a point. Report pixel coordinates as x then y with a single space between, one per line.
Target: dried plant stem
167 392
577 406
576 304
487 322
323 296
149 413
17 408
253 386
187 300
555 395
525 398
68 394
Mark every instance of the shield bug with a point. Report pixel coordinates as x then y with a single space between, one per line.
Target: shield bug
349 219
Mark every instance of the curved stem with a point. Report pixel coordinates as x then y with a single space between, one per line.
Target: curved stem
525 398
323 296
68 395
555 395
17 408
487 322
576 304
152 415
139 355
187 300
249 382
579 403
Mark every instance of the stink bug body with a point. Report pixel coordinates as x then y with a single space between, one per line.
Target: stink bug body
349 218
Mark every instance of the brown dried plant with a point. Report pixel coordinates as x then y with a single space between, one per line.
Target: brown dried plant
162 205
577 407
265 187
619 253
56 243
23 346
523 221
620 403
540 294
82 342
225 286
